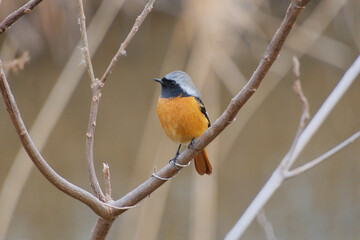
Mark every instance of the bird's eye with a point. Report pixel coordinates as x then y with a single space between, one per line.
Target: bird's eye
172 84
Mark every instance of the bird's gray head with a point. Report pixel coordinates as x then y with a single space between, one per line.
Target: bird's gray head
177 83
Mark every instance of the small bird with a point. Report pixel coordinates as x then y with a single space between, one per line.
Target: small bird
183 115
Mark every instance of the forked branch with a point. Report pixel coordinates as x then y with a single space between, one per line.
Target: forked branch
97 85
58 181
123 46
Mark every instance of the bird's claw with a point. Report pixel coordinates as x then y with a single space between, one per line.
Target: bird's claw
191 145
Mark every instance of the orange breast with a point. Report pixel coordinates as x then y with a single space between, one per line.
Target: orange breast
181 118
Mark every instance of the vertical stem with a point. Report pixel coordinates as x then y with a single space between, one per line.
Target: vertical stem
96 88
101 229
84 38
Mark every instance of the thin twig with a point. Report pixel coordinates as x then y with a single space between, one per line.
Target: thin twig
123 46
298 90
307 166
84 38
96 87
305 116
106 171
58 181
13 17
266 225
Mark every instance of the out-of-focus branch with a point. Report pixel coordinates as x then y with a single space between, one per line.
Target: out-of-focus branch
17 64
282 171
59 182
266 225
307 166
298 90
13 17
123 46
305 111
228 116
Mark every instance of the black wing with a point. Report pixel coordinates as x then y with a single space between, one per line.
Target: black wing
203 110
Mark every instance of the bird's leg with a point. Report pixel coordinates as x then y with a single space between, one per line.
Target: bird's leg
173 160
191 145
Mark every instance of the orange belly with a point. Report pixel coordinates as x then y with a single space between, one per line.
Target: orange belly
181 118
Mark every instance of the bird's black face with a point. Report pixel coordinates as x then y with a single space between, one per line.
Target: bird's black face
170 88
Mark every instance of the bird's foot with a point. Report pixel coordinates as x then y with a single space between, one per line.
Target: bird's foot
173 161
191 145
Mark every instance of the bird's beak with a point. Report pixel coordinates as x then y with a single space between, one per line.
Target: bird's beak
158 80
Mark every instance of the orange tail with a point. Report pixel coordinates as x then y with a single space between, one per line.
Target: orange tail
202 163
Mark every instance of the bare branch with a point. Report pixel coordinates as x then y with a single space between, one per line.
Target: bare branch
298 90
320 159
96 87
123 46
305 112
101 229
106 171
58 181
13 17
84 38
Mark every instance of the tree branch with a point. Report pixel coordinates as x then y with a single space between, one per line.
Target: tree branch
101 229
123 46
96 90
305 112
96 87
307 166
84 38
13 17
58 181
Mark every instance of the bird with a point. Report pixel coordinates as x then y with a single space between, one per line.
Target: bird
183 116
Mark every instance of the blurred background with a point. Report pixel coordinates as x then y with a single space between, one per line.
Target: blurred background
219 44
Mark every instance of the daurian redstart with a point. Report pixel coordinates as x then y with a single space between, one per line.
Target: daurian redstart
183 115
